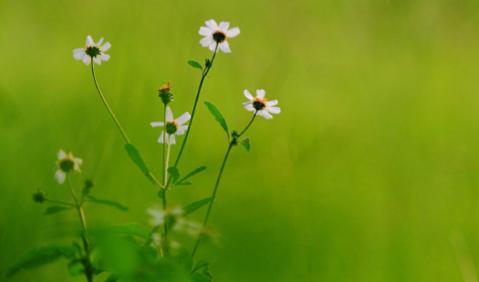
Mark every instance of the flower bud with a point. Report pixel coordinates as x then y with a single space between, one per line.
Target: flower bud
39 197
165 94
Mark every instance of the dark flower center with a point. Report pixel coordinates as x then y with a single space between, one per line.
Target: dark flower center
92 51
258 105
66 165
171 127
219 36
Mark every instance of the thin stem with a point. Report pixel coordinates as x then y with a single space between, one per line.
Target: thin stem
195 104
213 195
166 161
249 124
231 144
86 245
117 123
105 102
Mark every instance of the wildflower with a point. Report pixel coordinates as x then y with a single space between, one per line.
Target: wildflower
260 104
214 34
158 217
66 163
173 126
92 50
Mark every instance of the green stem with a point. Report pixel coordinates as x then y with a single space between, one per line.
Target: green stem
105 102
117 123
231 144
86 245
59 203
195 104
166 161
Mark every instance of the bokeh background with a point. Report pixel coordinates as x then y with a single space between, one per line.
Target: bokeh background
370 173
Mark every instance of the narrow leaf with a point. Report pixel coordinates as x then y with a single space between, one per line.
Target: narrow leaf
174 173
106 203
41 256
190 208
195 64
218 116
192 173
112 278
246 144
56 209
137 159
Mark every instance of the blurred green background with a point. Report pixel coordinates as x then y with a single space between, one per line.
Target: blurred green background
365 175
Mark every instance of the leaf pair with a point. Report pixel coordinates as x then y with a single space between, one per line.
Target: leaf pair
175 175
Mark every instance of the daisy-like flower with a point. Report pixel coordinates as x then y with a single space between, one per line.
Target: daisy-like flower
260 104
214 34
173 126
92 50
158 216
66 163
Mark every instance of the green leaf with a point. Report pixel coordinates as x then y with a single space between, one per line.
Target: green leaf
190 208
110 203
192 173
42 256
137 159
174 173
195 64
56 209
218 116
200 277
246 144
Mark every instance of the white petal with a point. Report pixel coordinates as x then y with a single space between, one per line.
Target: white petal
260 93
225 47
212 46
172 139
224 26
156 123
248 95
105 47
249 107
100 41
274 110
61 155
89 41
182 129
204 31
97 60
86 60
211 24
207 41
233 32
272 103
160 139
78 53
169 114
265 114
105 57
60 176
183 118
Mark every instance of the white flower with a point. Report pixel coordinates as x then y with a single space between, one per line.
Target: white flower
158 216
173 126
92 50
214 33
260 104
66 163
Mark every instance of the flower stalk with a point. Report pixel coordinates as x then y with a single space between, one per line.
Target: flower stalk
233 142
87 264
